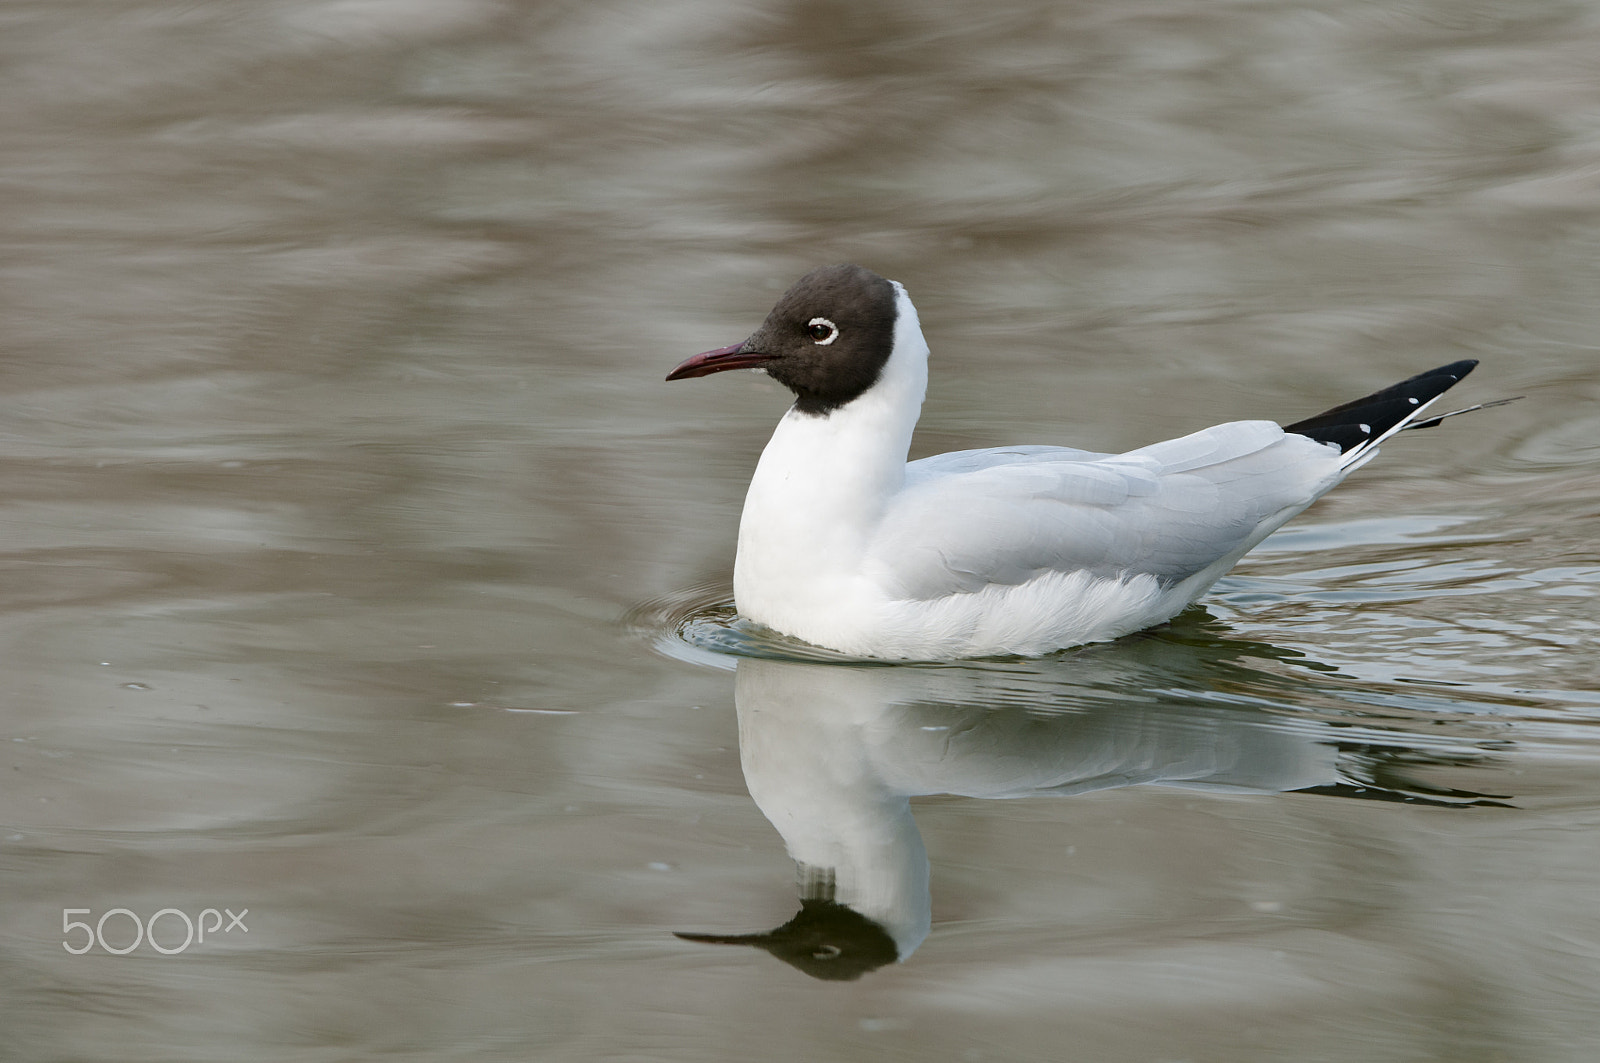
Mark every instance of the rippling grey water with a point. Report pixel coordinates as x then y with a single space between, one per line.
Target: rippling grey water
361 577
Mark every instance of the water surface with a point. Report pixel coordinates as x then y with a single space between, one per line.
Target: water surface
360 570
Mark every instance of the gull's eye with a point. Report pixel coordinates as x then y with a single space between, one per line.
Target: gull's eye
822 331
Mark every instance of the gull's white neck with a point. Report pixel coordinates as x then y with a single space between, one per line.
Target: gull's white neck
822 485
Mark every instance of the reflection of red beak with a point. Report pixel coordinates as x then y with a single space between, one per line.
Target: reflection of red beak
732 356
725 939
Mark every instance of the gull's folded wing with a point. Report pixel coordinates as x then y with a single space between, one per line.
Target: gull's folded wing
1169 510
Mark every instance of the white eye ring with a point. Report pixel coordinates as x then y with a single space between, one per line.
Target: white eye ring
833 330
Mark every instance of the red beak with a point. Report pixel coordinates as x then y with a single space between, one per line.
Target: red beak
732 356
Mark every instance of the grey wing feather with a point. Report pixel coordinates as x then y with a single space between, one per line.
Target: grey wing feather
977 460
1169 510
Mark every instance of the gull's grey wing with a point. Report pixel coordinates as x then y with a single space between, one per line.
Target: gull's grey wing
1169 510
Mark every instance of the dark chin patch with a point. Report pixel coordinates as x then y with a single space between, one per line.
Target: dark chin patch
822 403
825 377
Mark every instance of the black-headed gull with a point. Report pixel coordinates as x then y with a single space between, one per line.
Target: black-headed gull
1012 551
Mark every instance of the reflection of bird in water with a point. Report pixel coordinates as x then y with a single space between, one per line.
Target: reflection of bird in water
833 753
826 940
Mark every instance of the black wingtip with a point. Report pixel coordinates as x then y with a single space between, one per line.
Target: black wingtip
1374 416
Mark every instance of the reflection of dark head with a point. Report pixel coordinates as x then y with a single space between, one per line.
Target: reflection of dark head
825 940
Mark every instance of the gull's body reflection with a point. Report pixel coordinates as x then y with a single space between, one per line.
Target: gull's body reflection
833 753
